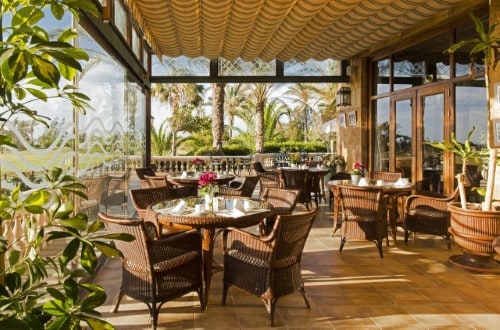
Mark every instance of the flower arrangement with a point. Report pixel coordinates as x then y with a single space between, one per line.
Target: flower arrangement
358 169
332 161
295 158
198 163
207 184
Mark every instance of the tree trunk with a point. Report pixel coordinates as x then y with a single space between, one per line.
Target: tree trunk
259 127
218 115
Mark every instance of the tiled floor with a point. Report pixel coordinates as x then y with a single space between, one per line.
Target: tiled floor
413 287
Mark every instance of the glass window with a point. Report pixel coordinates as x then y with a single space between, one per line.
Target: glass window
381 139
136 43
180 66
120 18
467 31
422 64
312 68
381 74
240 67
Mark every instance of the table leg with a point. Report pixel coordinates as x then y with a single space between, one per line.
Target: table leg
336 206
208 258
392 217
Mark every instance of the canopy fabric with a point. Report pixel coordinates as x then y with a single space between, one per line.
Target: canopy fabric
277 29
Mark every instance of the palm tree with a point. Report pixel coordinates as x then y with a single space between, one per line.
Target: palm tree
182 100
301 96
234 101
218 115
259 97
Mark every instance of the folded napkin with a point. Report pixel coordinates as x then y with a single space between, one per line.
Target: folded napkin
179 208
184 174
401 183
363 182
239 208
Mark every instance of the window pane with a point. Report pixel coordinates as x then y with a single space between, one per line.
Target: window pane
312 68
240 67
381 140
180 66
381 73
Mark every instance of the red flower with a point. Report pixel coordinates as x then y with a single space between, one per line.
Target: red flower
207 178
198 161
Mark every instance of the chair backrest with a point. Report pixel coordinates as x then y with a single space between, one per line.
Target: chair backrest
359 202
298 179
282 201
257 166
248 186
386 176
291 232
143 171
135 252
341 176
155 181
95 185
142 198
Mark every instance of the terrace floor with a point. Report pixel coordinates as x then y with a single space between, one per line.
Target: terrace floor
412 287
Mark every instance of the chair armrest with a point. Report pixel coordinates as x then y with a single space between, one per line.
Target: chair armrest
244 241
175 245
414 201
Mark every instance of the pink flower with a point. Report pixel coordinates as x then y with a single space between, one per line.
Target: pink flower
198 161
358 168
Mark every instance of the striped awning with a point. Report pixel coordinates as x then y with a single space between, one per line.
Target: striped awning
278 29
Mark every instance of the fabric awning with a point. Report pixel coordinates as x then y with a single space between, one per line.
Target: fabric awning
278 29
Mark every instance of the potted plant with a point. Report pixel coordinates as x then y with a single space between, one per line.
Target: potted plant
358 171
473 226
40 289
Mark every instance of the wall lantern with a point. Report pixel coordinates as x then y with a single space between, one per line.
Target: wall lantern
106 10
344 96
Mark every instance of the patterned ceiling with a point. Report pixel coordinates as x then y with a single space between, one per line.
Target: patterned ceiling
281 29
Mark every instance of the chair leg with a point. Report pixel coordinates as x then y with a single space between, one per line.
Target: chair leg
379 247
342 242
406 236
448 241
224 294
304 295
201 298
120 296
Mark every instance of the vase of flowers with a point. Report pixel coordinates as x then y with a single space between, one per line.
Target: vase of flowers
358 172
295 159
208 188
198 164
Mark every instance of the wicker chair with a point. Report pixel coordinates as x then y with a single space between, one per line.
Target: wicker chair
115 192
338 176
141 174
364 215
243 188
258 167
267 266
281 201
142 198
428 214
95 185
386 176
177 191
154 270
298 179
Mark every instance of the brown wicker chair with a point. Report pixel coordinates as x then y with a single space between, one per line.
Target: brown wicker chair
258 167
386 176
429 215
267 266
268 180
115 192
142 198
281 201
338 176
155 271
177 191
141 174
364 215
95 185
298 179
243 188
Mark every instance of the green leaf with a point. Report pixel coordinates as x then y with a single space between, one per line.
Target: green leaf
55 307
56 294
77 53
40 198
95 226
57 10
19 67
39 35
93 300
95 323
70 251
107 249
64 59
64 210
67 72
13 281
11 324
46 71
37 93
119 236
29 15
76 223
14 257
68 35
88 258
71 290
57 235
59 323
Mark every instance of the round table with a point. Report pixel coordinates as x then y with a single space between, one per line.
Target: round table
192 180
210 221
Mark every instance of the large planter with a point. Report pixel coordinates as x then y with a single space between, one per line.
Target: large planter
474 231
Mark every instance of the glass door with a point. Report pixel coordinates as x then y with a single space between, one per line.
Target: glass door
404 136
435 125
